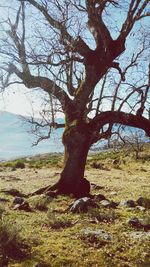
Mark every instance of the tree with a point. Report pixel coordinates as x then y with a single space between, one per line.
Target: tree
131 141
134 142
90 57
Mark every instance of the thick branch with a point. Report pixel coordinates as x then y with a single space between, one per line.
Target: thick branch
44 83
96 25
121 118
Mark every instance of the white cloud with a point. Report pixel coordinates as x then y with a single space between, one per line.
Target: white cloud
20 100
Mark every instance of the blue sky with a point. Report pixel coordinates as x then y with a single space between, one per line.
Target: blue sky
18 99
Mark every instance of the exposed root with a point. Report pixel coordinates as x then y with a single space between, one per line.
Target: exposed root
81 189
44 190
13 192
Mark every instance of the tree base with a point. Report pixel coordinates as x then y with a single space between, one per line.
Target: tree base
80 189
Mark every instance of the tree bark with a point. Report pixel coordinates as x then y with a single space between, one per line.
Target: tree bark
77 143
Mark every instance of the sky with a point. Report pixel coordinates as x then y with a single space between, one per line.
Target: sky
19 100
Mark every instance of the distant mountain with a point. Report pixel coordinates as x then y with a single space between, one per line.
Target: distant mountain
15 141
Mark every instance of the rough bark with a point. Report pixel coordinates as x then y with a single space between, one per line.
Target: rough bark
77 143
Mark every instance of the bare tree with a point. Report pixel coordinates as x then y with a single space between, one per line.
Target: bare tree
91 58
129 140
134 142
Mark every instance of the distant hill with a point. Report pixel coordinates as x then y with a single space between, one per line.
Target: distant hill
15 141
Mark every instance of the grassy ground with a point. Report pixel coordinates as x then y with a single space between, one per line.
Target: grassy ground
54 234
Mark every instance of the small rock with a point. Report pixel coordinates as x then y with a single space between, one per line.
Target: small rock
98 232
145 202
108 204
140 208
96 237
128 203
82 205
140 223
134 222
18 200
105 203
24 206
16 207
140 235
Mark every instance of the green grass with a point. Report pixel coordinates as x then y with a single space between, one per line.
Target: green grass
36 162
12 245
102 215
40 202
58 221
19 163
54 234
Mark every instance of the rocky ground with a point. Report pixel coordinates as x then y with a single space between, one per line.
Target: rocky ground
110 229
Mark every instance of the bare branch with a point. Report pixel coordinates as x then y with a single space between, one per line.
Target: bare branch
44 83
135 11
77 45
20 45
101 94
116 66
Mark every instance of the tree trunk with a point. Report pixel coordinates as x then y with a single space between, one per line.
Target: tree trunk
77 143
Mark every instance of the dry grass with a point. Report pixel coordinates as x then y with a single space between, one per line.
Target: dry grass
61 246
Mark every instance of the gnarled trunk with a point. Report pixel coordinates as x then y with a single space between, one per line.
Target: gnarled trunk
77 143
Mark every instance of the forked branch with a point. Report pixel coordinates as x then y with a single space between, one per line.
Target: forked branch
121 118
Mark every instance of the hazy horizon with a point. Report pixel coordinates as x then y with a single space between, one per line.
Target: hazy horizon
15 141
